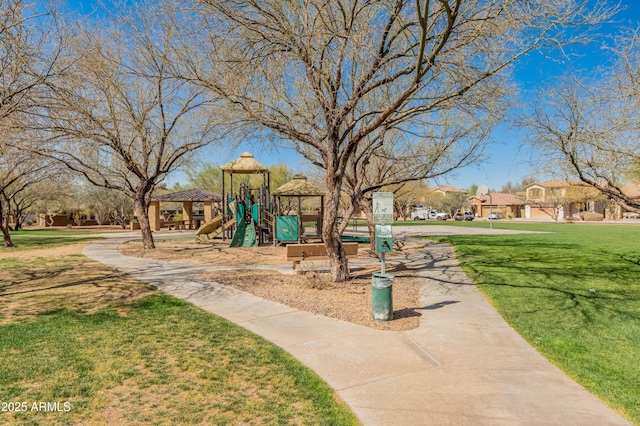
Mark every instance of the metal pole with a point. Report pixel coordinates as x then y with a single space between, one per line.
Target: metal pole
490 211
224 208
383 265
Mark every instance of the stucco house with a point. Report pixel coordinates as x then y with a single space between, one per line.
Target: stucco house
447 189
562 199
510 205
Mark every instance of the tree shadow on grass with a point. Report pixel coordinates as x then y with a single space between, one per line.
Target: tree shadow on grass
75 286
562 277
584 300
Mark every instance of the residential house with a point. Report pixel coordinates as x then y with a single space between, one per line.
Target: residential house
510 205
562 200
447 189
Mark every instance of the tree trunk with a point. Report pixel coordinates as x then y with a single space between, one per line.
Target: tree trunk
367 209
7 237
339 267
4 227
142 211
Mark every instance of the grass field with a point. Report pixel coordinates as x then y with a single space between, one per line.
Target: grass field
52 232
83 344
573 293
40 239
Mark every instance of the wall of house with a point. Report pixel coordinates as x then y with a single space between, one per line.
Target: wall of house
537 213
535 192
476 207
507 211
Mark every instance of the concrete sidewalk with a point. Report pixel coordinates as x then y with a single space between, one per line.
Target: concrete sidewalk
463 366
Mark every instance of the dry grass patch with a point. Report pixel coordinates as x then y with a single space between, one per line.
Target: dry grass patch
51 252
38 281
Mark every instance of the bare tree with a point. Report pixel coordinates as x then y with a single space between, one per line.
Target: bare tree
107 205
406 198
118 117
588 128
392 161
331 77
19 171
30 50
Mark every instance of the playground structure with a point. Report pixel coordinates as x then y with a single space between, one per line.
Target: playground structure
252 216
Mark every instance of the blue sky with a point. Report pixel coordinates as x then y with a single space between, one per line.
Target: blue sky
505 158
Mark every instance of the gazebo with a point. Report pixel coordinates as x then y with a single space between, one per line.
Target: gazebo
284 228
187 198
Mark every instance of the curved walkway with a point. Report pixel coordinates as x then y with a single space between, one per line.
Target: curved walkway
463 365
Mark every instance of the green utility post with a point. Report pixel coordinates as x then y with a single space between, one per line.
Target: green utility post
382 283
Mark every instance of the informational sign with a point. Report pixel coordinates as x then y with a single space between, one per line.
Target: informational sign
384 238
383 208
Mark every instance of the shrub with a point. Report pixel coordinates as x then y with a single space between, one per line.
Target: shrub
592 217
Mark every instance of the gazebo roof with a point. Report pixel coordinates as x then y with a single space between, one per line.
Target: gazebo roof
298 187
246 164
195 194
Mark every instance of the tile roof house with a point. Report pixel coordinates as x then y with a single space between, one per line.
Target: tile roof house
508 204
447 189
561 199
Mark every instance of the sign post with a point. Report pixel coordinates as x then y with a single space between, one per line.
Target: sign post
382 283
384 242
383 220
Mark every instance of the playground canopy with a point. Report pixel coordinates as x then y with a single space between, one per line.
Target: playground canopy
287 228
246 164
299 186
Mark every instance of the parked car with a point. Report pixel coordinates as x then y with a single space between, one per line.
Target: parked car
495 215
421 213
438 215
463 216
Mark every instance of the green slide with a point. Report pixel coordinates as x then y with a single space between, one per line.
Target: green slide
245 235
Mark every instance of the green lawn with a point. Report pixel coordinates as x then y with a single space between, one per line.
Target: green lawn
103 348
26 243
573 293
42 239
51 232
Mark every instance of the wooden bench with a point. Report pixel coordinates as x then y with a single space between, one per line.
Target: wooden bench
316 251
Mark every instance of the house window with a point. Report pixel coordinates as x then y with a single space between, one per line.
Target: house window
535 193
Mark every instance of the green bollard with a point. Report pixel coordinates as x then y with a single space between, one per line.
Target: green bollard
382 297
